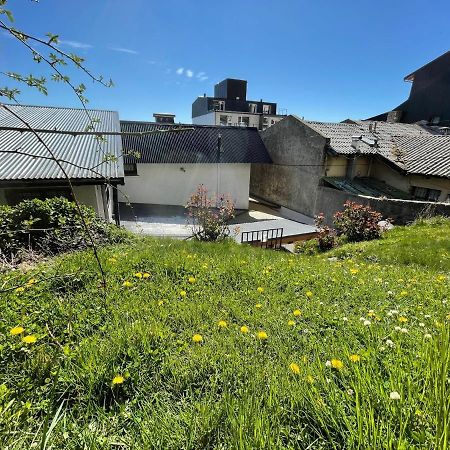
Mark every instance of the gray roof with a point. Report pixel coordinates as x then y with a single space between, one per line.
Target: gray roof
197 145
412 148
83 157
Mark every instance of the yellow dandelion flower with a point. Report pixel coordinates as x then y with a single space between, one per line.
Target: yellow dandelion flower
402 319
337 364
138 274
260 289
118 379
19 289
197 338
309 294
222 324
310 379
244 329
145 275
262 335
294 368
30 339
354 271
403 293
183 293
31 281
127 283
297 313
160 302
291 323
258 305
441 278
354 358
16 330
191 280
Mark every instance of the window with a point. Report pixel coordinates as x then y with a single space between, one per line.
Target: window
223 120
267 109
265 121
130 169
253 108
244 121
421 193
219 105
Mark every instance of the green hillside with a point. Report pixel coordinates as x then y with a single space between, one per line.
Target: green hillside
222 346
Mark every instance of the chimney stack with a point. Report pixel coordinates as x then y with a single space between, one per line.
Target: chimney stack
164 117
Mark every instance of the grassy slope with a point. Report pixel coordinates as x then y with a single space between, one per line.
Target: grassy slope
232 390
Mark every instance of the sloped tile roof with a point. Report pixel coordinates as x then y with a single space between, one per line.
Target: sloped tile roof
413 148
199 144
82 157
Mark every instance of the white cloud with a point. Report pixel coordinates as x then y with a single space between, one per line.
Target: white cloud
180 71
124 50
75 44
203 78
189 73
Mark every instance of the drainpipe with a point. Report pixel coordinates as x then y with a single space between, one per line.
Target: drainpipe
116 204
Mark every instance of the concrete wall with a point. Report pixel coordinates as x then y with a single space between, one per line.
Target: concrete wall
298 158
330 200
173 184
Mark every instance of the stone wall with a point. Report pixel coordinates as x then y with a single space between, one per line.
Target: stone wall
330 200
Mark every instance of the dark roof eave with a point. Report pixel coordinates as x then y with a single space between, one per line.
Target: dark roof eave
59 182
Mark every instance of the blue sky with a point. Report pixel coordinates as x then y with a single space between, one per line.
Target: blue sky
322 59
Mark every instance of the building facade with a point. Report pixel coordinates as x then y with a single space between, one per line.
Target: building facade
428 99
399 169
230 107
166 167
94 167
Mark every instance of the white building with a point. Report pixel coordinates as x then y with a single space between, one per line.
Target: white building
166 168
95 167
230 107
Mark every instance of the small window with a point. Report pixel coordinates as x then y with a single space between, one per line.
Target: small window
130 169
223 120
219 105
267 109
253 108
421 193
265 121
244 121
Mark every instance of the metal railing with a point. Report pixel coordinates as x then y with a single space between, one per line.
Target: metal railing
271 238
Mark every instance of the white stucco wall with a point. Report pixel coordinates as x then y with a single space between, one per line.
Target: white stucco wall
89 195
205 119
172 184
234 119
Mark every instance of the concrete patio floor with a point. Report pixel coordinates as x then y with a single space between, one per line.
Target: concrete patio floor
171 221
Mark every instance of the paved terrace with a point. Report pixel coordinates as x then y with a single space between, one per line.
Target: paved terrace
170 221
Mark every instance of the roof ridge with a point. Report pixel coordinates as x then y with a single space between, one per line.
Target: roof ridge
16 105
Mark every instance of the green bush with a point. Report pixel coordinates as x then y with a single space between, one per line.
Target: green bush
309 247
51 226
358 222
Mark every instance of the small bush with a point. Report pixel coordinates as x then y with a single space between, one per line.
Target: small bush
51 226
210 215
358 222
309 247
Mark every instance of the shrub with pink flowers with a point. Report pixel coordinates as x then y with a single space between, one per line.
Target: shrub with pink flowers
358 222
210 214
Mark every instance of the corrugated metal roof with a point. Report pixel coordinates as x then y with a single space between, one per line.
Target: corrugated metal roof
239 145
83 157
413 148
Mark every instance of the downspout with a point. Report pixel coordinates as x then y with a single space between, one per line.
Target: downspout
116 213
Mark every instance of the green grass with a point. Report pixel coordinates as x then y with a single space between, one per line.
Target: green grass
232 390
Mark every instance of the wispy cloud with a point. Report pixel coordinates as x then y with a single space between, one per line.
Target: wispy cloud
189 73
201 76
75 44
124 50
180 71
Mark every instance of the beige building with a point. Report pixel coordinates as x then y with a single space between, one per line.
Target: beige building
401 169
